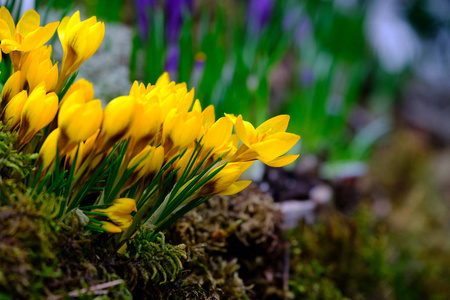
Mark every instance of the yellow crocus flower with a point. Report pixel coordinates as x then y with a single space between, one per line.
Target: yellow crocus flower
146 125
84 151
181 129
25 37
79 40
217 137
14 84
13 110
118 119
268 142
39 110
149 160
38 67
120 213
78 120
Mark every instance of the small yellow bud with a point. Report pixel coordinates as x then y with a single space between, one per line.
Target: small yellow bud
47 154
13 110
225 182
120 212
14 84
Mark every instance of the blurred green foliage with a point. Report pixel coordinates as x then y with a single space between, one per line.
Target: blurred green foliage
310 61
235 73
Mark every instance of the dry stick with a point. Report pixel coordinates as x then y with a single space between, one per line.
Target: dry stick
97 288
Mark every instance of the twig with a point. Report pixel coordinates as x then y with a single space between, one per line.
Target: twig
97 289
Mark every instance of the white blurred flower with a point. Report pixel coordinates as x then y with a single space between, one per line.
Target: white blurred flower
391 37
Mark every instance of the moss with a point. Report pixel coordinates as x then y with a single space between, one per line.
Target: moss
234 246
41 258
26 257
340 256
411 176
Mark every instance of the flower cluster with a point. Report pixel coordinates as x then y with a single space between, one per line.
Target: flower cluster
149 156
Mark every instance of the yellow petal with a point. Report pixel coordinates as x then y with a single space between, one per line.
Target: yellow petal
241 132
275 124
111 228
7 18
197 106
163 79
236 187
5 31
38 37
272 148
29 22
218 134
232 117
281 161
209 115
96 34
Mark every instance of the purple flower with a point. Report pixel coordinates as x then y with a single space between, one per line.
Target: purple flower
142 8
259 13
173 58
174 17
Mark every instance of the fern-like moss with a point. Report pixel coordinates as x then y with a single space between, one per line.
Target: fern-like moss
15 166
12 162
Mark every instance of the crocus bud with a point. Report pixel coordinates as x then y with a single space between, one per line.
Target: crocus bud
39 110
225 182
14 84
47 154
80 40
38 67
147 164
13 111
120 212
78 120
146 126
80 85
118 119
